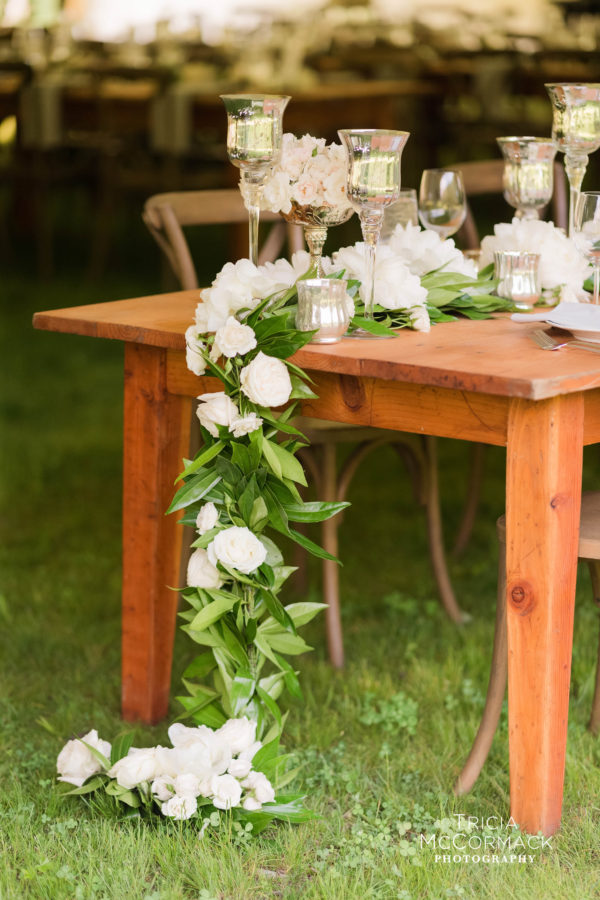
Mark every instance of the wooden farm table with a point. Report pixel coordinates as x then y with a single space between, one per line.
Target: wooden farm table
478 381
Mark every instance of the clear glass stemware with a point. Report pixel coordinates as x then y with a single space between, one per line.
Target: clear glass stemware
373 183
586 233
254 131
442 203
528 177
575 131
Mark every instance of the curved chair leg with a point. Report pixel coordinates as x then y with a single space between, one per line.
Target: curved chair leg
495 692
472 502
331 584
594 723
435 537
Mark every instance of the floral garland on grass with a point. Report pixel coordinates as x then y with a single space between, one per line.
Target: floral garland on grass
245 480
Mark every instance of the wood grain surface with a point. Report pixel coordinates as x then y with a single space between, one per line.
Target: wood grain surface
494 356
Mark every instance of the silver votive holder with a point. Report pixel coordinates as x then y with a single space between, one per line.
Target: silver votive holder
323 307
518 274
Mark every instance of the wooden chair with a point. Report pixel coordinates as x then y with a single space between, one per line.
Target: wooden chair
589 550
165 215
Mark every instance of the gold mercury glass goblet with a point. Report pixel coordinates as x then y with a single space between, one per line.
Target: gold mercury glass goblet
575 131
373 183
528 177
254 130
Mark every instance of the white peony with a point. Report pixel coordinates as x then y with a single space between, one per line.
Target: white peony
260 786
180 807
139 765
423 251
239 768
250 751
237 548
283 273
562 268
239 734
266 381
194 358
251 804
216 409
226 791
183 736
201 573
203 758
207 518
395 286
245 424
234 339
76 762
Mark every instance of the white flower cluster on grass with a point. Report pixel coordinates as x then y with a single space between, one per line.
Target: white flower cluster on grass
309 172
562 268
202 763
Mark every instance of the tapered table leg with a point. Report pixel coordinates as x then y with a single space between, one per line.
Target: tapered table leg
156 438
543 498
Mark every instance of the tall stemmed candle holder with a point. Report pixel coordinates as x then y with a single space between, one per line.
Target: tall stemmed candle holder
575 131
528 177
373 184
254 130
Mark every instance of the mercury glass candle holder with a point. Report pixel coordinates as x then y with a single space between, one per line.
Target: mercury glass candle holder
374 180
315 221
575 131
518 276
323 308
254 131
528 177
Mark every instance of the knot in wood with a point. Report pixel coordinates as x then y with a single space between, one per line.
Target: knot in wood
521 597
352 391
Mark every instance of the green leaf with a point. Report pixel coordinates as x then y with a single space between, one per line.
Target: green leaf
121 746
104 762
212 612
283 463
290 677
277 610
309 545
201 666
96 782
300 390
209 715
193 490
292 644
304 612
371 326
203 457
241 457
313 512
242 690
259 514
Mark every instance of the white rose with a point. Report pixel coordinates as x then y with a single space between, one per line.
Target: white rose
251 804
162 788
193 351
180 807
237 548
201 572
234 339
226 791
76 762
216 409
251 751
139 765
266 381
260 786
207 518
245 424
188 785
239 768
239 733
203 759
184 736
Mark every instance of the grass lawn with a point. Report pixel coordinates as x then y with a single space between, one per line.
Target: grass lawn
380 743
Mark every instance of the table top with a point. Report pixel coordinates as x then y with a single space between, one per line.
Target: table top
493 356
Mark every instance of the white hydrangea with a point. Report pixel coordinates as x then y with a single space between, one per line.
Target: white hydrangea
423 251
562 268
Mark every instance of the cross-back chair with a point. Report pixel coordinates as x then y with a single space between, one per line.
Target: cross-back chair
166 215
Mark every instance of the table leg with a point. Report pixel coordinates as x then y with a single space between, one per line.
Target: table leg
155 439
543 497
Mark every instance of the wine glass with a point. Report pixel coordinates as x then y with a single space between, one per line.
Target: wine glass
576 131
528 177
586 233
373 183
254 130
442 204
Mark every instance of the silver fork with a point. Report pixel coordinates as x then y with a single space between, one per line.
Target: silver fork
547 342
